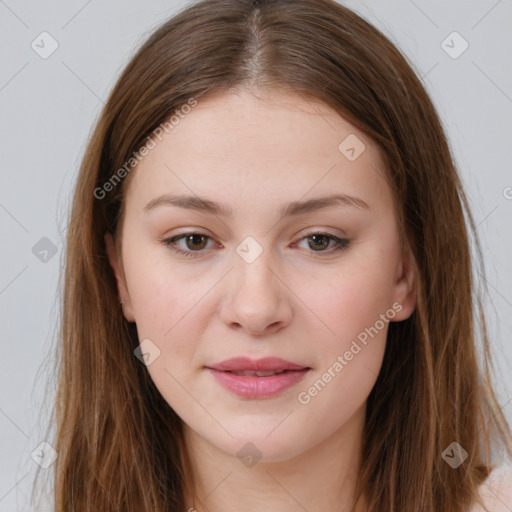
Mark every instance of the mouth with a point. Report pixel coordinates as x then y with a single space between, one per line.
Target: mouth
249 373
256 379
248 365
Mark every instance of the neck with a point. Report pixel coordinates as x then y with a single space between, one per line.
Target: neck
322 477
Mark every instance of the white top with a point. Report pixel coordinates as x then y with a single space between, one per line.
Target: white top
496 490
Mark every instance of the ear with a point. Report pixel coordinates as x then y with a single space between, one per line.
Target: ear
404 292
121 284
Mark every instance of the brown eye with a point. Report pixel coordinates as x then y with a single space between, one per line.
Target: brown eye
196 241
193 244
189 244
319 242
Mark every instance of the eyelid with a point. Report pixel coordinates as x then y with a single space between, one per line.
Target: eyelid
341 241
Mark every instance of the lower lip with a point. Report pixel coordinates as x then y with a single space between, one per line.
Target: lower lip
258 387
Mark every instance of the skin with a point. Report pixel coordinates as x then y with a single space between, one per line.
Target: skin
254 155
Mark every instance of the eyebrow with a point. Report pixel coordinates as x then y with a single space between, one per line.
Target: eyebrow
291 209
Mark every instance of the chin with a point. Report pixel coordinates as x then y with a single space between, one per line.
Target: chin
256 445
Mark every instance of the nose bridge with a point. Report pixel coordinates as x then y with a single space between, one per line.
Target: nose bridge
254 280
258 300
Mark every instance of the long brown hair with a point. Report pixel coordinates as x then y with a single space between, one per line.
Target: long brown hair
119 444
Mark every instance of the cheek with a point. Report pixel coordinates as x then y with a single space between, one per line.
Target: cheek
353 300
341 388
160 294
358 318
169 307
358 312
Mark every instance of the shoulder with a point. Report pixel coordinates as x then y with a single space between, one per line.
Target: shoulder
496 490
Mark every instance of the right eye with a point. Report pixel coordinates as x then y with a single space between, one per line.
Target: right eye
195 242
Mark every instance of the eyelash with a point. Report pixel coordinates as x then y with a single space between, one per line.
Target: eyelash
342 244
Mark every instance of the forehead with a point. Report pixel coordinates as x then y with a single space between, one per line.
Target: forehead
238 145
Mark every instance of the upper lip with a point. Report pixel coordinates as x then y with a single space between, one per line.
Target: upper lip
247 364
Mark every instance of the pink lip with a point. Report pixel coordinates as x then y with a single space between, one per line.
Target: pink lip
254 386
247 364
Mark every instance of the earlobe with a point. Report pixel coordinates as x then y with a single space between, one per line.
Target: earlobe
405 286
124 298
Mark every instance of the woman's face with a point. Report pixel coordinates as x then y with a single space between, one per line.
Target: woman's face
265 275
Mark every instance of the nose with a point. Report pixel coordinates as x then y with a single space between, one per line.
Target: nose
257 299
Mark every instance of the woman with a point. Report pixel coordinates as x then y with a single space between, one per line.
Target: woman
270 196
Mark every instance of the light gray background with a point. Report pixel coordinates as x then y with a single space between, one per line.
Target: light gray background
48 107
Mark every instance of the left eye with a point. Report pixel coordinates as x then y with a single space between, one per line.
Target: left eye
323 241
196 242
